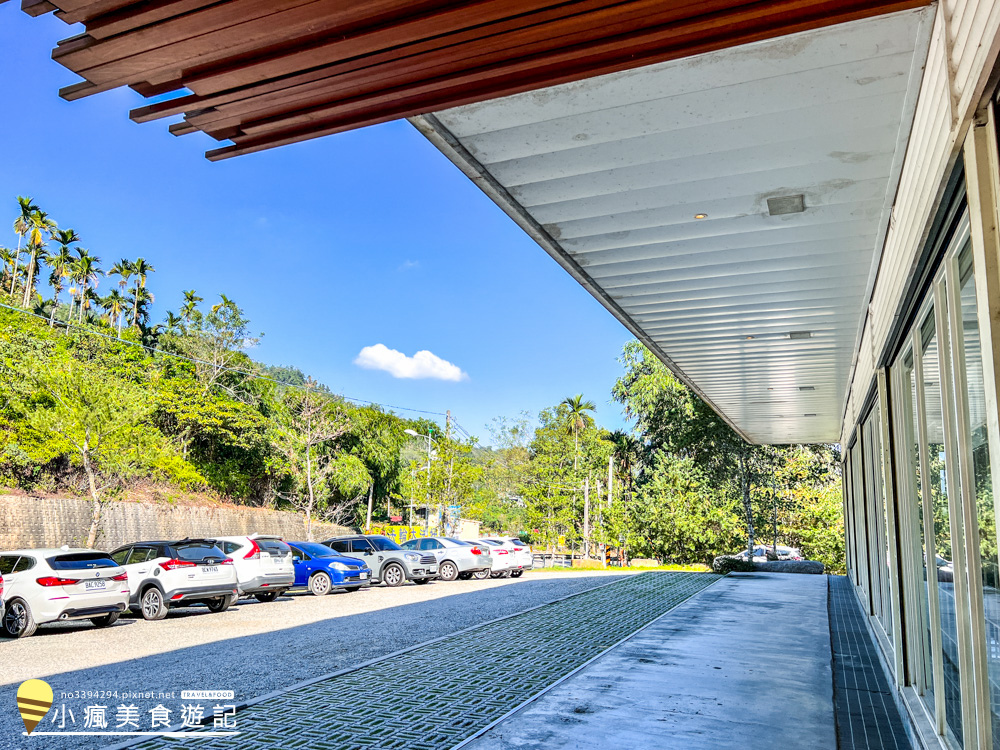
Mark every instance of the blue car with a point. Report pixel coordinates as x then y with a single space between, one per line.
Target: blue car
321 569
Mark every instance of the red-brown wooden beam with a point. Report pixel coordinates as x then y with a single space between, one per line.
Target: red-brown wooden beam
264 73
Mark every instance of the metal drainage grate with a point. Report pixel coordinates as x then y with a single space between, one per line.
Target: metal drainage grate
867 716
435 696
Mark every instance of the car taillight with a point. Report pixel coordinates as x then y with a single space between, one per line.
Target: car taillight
54 581
120 577
174 564
500 551
227 561
476 551
254 553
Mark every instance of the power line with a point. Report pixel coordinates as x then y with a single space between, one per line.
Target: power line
233 370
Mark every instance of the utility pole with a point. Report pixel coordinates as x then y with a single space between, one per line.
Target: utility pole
451 459
586 518
427 498
774 501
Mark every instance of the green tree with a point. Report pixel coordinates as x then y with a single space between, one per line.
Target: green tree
99 418
41 229
578 418
22 226
141 269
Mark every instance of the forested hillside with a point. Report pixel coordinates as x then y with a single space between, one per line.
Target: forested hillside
97 400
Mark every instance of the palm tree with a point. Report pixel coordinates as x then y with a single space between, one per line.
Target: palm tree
226 302
115 303
22 225
7 257
40 224
174 322
578 419
61 263
141 269
139 308
86 272
88 299
122 269
191 300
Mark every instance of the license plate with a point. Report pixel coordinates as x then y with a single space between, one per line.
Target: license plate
364 576
210 569
94 585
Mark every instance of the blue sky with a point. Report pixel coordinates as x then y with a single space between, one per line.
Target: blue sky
333 245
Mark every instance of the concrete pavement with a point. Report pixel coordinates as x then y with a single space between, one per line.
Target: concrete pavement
744 663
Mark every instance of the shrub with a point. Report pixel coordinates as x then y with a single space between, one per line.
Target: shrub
729 564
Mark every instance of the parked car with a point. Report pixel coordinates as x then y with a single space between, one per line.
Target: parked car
523 555
759 554
390 564
56 585
789 553
165 574
521 558
1 600
264 568
454 556
322 569
503 559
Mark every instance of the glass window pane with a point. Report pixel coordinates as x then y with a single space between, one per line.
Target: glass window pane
975 397
909 396
936 485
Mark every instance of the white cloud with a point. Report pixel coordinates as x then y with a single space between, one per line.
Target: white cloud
423 364
409 265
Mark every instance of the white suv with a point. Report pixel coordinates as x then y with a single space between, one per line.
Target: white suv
55 585
264 567
170 574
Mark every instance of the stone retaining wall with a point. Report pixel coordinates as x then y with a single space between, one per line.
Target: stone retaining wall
53 522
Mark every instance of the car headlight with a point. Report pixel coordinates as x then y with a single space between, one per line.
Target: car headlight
340 566
412 556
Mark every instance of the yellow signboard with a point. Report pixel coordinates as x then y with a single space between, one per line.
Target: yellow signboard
398 534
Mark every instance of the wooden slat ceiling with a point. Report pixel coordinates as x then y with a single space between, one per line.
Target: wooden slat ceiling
265 73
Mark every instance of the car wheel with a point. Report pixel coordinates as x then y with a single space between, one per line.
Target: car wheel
220 604
393 575
266 596
421 581
152 605
320 584
481 575
447 571
106 620
464 576
497 574
17 620
516 573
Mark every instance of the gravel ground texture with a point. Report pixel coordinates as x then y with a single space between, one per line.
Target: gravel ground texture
251 649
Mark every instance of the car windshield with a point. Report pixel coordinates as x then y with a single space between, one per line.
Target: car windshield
82 561
383 543
198 552
315 549
451 541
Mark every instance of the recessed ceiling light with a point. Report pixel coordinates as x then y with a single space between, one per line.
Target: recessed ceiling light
748 338
701 216
800 335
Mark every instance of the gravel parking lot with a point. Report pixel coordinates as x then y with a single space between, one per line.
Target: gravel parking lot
255 648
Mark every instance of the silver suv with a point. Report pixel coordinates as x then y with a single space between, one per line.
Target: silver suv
389 563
